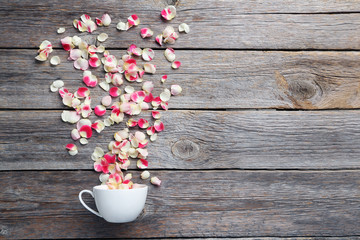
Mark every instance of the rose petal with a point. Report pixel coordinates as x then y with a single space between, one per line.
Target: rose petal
169 54
75 135
175 90
105 86
81 64
83 122
184 28
58 83
70 116
98 126
142 163
148 54
106 101
169 12
163 78
165 95
149 68
83 141
156 114
129 89
153 137
159 39
146 32
53 88
115 92
117 79
60 30
67 43
55 60
100 110
102 37
94 61
156 102
85 131
155 181
106 19
122 26
145 175
143 123
150 130
176 64
133 20
75 54
131 122
158 125
164 105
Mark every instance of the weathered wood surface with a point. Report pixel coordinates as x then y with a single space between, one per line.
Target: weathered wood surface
214 24
210 79
188 204
196 140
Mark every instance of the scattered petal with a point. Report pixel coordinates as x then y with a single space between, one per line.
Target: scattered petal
163 78
159 39
146 32
150 131
105 86
176 64
75 135
129 89
142 163
72 149
81 64
149 68
133 20
106 19
153 137
75 54
98 126
102 37
85 131
94 61
156 114
106 101
143 123
159 126
115 92
148 86
148 54
184 28
155 181
60 30
84 141
67 43
100 110
89 79
165 95
169 12
58 84
122 26
145 175
175 90
169 54
131 123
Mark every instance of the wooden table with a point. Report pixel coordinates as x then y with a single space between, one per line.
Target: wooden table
263 142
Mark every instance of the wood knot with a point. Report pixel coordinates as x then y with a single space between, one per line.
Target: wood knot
185 149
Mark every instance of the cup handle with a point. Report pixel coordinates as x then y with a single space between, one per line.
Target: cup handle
84 204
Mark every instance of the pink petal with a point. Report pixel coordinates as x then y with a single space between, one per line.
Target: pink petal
142 163
82 92
133 20
148 54
71 147
100 110
115 91
175 90
143 123
176 64
131 122
149 68
106 101
67 43
81 64
168 13
146 32
164 105
159 39
98 22
138 96
149 98
156 114
94 61
150 130
163 78
85 131
159 126
110 158
155 181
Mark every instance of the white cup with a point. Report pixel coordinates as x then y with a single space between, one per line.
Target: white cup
117 205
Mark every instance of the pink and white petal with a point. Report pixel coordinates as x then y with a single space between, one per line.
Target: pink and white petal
165 95
106 101
133 20
91 26
145 175
45 44
75 135
131 122
83 122
67 43
85 18
106 19
100 110
156 102
175 90
155 181
168 31
67 99
98 126
149 98
82 92
85 110
75 54
117 117
144 106
81 64
71 147
159 39
148 54
164 105
150 130
98 22
176 64
63 91
142 164
170 54
146 32
85 131
94 61
143 123
169 12
138 96
149 68
159 125
117 79
163 78
156 114
114 92
143 153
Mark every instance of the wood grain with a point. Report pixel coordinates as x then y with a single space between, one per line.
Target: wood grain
215 24
188 204
216 80
195 140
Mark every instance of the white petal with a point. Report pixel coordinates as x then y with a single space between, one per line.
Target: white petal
55 60
102 37
184 28
61 30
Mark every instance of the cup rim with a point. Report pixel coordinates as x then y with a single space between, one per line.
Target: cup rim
102 188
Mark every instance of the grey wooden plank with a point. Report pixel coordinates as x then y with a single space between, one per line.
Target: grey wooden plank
210 79
188 204
195 140
225 24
